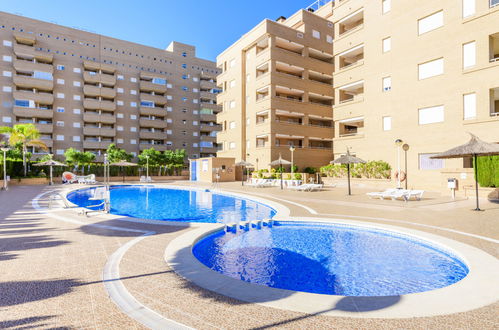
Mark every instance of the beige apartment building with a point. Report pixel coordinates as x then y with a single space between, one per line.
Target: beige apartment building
278 92
424 72
86 91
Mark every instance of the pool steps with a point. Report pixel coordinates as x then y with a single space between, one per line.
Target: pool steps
247 225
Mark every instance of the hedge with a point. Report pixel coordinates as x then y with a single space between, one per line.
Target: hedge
488 171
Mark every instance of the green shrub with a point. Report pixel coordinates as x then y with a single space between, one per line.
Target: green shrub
297 176
372 170
287 176
488 171
310 170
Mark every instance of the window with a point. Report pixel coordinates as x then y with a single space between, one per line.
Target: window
60 151
329 39
468 8
60 138
76 70
232 145
7 43
23 103
169 97
169 109
119 128
76 111
195 79
195 101
60 67
387 44
133 104
120 77
120 90
120 115
76 83
387 123
7 74
133 141
119 102
60 109
76 138
60 81
184 66
493 3
469 54
7 58
76 125
232 125
387 6
195 123
427 163
469 105
316 34
76 97
431 69
232 63
133 79
60 95
184 76
232 104
7 119
7 89
42 75
431 22
147 104
133 129
387 84
431 115
185 88
120 141
159 81
133 117
184 54
232 83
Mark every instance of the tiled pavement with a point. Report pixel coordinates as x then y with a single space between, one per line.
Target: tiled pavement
51 270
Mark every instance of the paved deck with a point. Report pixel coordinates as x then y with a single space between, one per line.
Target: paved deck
52 264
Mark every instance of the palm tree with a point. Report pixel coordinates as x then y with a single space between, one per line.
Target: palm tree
27 135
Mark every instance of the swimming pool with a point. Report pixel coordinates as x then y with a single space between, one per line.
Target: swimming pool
165 203
332 259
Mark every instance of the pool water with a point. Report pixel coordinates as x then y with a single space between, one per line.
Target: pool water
330 259
160 203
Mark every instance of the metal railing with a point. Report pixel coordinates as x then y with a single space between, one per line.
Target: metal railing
319 3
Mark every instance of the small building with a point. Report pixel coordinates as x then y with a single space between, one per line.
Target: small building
213 169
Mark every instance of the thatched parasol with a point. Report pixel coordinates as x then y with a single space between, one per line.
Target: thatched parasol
244 164
122 164
348 159
474 148
50 163
279 162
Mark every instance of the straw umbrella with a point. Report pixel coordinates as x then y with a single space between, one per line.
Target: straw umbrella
474 148
348 159
279 162
122 164
244 164
50 163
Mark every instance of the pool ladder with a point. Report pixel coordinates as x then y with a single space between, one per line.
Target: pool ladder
247 225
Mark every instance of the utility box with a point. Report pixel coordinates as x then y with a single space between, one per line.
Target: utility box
452 183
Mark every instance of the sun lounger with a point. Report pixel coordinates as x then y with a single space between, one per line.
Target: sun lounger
261 183
87 179
68 177
417 194
382 194
145 179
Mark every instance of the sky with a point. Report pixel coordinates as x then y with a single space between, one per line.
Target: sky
211 26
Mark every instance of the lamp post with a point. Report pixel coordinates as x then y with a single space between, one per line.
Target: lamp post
398 144
292 149
405 147
106 182
5 149
147 168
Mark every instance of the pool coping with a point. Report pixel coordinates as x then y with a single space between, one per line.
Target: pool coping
479 288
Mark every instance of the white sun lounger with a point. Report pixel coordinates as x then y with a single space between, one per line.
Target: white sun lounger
382 194
417 194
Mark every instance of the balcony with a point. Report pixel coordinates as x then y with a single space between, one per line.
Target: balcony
90 90
25 51
99 131
44 128
351 92
33 112
147 86
158 147
353 127
494 101
96 66
209 128
36 83
31 66
153 111
351 57
157 99
207 95
208 138
96 78
298 60
208 117
494 47
351 22
208 150
97 118
90 144
148 135
39 98
93 104
25 38
206 84
155 123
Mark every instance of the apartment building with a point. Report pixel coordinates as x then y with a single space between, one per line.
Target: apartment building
86 91
278 91
425 72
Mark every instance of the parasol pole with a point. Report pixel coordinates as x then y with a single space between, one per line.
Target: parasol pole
476 182
348 178
50 183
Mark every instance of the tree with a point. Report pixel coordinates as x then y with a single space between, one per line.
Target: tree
25 135
115 154
154 155
79 158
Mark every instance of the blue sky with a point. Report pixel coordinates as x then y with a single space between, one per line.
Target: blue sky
209 25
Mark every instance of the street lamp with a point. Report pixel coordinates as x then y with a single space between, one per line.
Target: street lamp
398 144
106 182
405 147
147 168
5 149
292 149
